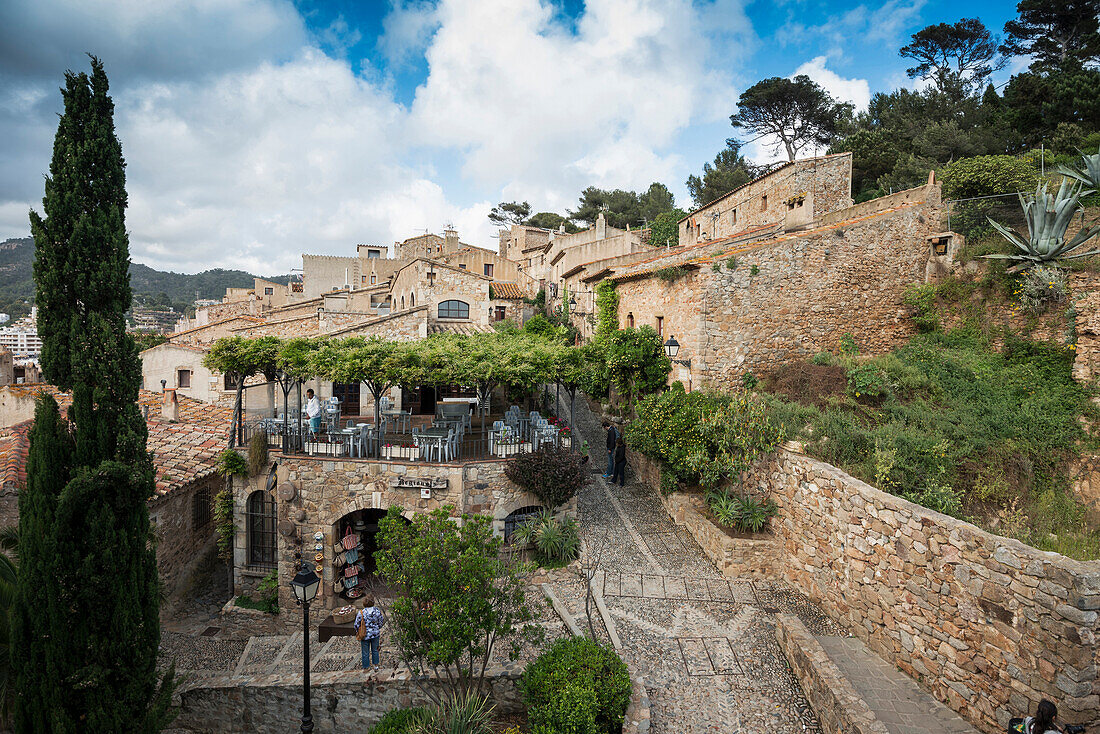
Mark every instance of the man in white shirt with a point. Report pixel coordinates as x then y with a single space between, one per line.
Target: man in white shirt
313 411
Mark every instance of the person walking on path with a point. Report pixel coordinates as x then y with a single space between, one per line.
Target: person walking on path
368 630
620 462
612 439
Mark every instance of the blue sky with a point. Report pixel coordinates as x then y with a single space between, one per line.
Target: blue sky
255 130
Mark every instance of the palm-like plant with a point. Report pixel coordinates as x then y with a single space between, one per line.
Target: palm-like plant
1048 217
1088 173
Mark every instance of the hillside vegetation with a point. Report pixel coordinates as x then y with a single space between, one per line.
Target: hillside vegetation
17 283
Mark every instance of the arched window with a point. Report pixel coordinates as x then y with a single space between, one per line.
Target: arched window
518 519
402 303
630 321
412 302
454 310
260 524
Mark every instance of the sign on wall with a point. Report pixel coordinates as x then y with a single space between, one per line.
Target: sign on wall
429 483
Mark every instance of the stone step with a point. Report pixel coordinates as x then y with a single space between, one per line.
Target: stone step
893 697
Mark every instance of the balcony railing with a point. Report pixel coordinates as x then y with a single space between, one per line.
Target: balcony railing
403 437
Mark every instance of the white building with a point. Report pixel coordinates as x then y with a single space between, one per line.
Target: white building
4 318
22 341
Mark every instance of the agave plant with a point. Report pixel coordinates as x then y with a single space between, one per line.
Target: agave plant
1048 217
1088 174
553 539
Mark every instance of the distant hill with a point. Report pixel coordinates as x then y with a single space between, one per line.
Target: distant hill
17 281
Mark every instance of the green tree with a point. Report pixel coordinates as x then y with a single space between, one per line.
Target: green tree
655 201
1037 103
551 220
456 598
1054 33
730 170
957 57
665 228
107 577
507 213
874 154
799 112
636 362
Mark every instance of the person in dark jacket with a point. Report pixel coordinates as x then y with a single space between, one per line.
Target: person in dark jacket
620 462
612 438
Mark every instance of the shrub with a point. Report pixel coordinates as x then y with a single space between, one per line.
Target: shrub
923 299
268 591
701 437
731 263
461 713
987 175
742 512
397 721
554 540
553 474
749 381
576 687
867 381
755 270
231 463
671 274
1041 286
636 361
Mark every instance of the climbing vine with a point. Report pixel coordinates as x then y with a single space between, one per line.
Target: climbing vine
607 306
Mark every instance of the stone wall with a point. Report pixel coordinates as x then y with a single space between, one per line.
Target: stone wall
824 184
325 490
348 701
182 545
987 624
808 290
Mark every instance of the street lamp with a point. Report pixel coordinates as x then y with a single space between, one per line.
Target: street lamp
305 586
672 348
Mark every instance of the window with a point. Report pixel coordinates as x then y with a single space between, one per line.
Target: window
764 202
454 310
412 300
518 519
374 254
489 269
202 508
365 279
630 321
373 279
500 313
269 291
660 325
260 523
462 266
733 216
183 378
230 382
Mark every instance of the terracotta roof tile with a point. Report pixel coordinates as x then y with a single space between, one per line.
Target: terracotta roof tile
182 452
506 290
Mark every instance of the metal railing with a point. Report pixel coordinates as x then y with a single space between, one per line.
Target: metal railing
415 438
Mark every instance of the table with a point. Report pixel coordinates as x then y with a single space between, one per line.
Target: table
329 629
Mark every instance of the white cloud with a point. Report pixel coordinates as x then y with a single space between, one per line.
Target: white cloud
246 145
543 112
856 91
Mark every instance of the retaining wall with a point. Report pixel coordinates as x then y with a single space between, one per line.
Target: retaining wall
985 623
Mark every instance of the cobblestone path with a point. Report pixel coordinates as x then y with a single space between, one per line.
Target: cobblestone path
704 645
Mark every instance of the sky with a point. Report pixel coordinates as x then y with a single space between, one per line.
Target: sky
257 130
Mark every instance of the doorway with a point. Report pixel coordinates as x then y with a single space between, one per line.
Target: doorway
355 568
348 395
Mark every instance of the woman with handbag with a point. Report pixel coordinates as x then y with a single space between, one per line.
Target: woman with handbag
368 630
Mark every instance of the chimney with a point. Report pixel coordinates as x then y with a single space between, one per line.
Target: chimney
601 226
450 240
170 408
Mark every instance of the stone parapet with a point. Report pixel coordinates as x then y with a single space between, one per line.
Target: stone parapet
839 708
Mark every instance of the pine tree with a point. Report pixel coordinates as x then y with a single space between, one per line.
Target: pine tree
102 586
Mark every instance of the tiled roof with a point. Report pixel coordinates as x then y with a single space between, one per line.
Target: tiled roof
213 323
506 290
465 328
182 452
14 444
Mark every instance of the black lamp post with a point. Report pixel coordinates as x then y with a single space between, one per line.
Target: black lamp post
305 586
672 348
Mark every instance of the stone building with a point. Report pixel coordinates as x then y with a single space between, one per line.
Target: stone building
305 505
7 367
751 301
185 438
791 195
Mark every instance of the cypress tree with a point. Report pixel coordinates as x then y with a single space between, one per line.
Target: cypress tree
102 586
